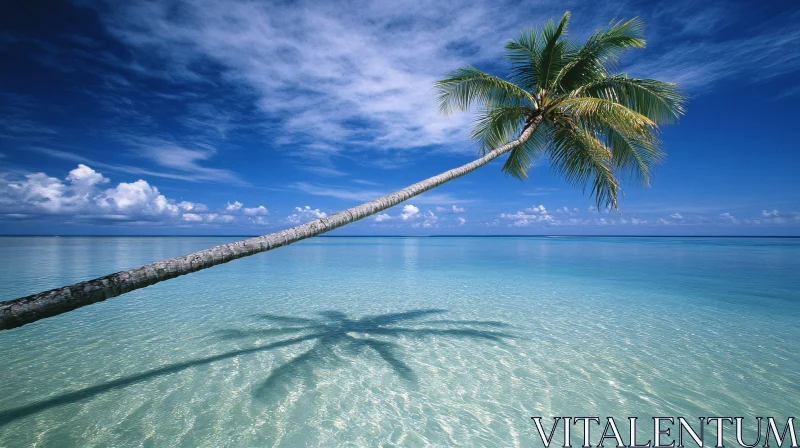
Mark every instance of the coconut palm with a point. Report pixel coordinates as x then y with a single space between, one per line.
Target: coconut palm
563 102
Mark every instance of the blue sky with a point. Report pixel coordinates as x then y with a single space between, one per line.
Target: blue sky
223 117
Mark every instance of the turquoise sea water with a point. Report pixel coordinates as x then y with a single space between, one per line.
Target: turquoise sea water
399 341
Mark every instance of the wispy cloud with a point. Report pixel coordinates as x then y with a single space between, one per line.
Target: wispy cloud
540 216
350 73
540 191
359 74
350 194
697 58
327 80
189 173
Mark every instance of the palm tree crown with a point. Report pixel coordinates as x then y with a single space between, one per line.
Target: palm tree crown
595 127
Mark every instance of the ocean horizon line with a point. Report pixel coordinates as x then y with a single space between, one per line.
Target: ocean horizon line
398 236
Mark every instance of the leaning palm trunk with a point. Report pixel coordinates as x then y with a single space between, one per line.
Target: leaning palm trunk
18 312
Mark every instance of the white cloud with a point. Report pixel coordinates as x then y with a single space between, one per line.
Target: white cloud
528 217
219 218
335 63
452 210
339 193
461 220
777 217
233 207
566 211
426 220
697 63
412 216
369 195
304 214
83 175
192 207
80 196
409 212
728 218
185 160
256 211
259 220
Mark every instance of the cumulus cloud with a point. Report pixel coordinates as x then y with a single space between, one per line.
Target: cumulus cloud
461 220
776 217
411 216
304 214
728 218
564 216
567 211
256 211
427 221
80 195
409 212
528 217
382 217
85 176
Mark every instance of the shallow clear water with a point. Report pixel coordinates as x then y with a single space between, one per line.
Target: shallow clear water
399 341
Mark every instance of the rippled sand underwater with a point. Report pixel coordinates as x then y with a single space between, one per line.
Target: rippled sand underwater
399 341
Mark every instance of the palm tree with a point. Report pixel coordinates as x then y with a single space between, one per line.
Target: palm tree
562 102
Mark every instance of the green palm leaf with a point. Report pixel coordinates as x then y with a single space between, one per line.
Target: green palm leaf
497 125
660 101
469 86
552 59
521 158
524 54
601 50
585 161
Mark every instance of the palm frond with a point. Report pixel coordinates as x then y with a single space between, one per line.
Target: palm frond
469 86
634 156
552 60
521 158
583 160
601 50
659 101
524 53
497 125
607 111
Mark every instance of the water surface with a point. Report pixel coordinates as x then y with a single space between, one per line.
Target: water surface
398 341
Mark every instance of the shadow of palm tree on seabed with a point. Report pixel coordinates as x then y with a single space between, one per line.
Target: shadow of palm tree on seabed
333 329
